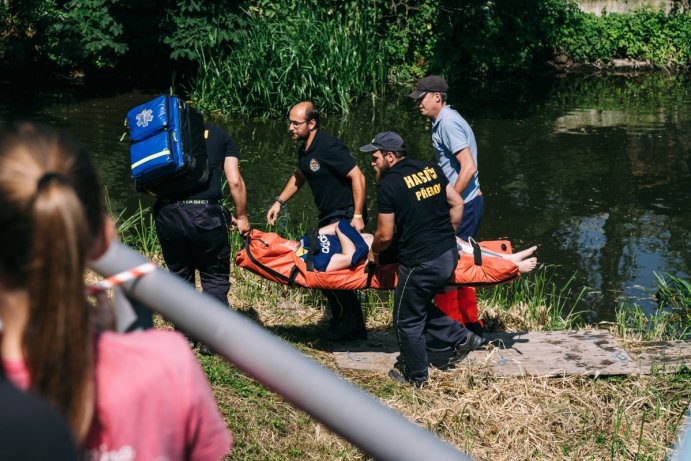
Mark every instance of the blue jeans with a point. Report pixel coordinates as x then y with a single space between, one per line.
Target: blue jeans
472 215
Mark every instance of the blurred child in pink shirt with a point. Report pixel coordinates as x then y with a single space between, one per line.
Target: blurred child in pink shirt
135 396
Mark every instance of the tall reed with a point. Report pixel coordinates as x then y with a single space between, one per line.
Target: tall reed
138 231
311 53
670 320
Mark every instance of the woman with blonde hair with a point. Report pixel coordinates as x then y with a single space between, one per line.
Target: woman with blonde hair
126 396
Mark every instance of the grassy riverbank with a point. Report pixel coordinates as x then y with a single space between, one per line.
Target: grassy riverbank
633 417
489 417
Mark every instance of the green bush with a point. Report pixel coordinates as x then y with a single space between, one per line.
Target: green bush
109 34
499 36
201 25
86 30
410 34
646 35
22 27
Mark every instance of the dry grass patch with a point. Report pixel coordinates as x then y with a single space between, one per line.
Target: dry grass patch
524 418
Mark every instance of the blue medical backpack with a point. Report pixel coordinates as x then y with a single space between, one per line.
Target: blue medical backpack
168 151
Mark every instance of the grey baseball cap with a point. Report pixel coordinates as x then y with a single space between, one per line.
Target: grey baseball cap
386 140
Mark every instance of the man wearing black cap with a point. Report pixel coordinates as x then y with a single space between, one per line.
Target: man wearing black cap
456 153
338 186
416 200
455 149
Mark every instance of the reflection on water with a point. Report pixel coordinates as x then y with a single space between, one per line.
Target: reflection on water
593 169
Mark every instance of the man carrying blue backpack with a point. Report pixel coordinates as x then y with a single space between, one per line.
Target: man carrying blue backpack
193 227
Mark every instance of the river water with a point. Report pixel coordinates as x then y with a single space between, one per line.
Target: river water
594 169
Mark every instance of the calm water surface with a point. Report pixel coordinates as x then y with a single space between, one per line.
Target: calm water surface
596 170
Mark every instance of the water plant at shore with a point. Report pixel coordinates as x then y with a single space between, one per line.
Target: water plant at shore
670 320
533 302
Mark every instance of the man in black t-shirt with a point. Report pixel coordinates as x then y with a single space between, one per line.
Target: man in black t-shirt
338 187
415 199
193 226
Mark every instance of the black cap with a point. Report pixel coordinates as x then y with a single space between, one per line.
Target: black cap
386 140
429 84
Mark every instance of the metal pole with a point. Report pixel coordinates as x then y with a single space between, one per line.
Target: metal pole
355 415
682 451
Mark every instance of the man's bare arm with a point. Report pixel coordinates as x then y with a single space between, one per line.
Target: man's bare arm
295 182
468 169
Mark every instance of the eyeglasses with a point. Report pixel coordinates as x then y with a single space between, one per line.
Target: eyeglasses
295 124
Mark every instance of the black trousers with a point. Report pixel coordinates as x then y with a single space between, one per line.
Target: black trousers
346 309
195 237
414 312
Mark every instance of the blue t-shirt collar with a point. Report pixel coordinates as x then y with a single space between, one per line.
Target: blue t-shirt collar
441 115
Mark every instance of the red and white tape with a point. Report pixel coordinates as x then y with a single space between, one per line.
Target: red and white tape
117 279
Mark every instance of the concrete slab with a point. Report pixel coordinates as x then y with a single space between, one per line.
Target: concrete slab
665 356
543 353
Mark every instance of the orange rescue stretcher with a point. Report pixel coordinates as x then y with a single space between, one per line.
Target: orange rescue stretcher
264 255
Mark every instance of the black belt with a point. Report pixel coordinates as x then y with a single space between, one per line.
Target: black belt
191 201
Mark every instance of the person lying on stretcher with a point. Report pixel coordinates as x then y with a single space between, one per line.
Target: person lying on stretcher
333 247
339 246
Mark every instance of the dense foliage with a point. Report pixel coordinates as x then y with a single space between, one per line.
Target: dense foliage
256 56
499 36
118 36
646 35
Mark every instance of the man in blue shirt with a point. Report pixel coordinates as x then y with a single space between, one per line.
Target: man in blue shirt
455 149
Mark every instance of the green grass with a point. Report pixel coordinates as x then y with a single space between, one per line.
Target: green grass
138 230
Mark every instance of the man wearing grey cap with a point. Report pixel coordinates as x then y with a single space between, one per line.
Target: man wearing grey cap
417 200
454 147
